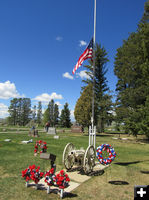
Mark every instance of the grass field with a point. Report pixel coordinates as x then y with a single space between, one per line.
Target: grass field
116 183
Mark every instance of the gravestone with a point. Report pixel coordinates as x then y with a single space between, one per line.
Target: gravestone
51 131
76 129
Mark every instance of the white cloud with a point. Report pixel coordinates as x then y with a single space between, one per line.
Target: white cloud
67 75
82 43
83 74
8 90
59 38
45 97
3 110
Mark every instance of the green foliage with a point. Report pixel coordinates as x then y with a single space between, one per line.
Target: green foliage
65 117
51 114
132 71
20 111
83 107
105 115
34 113
103 102
39 113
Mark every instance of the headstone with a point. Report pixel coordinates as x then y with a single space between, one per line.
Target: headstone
76 129
51 130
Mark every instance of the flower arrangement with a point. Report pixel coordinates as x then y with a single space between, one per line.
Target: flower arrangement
50 177
26 174
32 173
43 146
62 179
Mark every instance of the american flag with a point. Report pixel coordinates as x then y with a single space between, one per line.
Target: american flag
86 54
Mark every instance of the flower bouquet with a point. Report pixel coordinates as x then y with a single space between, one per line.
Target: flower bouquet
50 178
62 180
26 174
32 173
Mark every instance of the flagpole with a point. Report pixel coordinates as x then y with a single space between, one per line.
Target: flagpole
94 39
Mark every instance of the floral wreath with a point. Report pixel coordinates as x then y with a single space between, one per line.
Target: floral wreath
109 149
43 146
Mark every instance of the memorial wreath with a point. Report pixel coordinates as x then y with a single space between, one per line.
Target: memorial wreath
109 149
42 145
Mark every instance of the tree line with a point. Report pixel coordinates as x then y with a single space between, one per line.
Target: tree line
21 113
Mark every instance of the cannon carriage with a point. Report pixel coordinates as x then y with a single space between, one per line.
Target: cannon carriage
84 159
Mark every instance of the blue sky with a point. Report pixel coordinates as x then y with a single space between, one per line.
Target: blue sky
41 41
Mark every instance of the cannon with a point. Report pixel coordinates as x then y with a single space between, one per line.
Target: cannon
81 158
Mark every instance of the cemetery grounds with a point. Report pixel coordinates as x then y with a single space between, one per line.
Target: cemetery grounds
130 167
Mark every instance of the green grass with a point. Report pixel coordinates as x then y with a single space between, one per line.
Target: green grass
14 157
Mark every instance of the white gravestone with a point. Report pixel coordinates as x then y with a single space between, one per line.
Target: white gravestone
51 131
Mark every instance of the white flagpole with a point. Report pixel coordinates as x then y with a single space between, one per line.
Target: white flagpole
94 38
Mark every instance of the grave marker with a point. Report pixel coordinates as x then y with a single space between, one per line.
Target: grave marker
51 131
77 129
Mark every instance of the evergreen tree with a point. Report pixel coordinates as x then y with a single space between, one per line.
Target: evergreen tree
26 111
132 71
51 114
101 87
39 113
20 111
83 107
65 117
34 113
56 114
51 111
12 119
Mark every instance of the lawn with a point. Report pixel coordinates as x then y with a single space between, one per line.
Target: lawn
117 181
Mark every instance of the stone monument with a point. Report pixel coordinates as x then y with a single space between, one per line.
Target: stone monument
51 131
77 129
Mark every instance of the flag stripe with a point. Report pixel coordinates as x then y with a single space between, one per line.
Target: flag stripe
86 54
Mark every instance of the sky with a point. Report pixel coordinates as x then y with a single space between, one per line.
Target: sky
42 40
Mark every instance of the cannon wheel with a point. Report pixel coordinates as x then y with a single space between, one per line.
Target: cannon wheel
89 159
68 158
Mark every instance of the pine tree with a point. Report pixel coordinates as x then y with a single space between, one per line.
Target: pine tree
101 87
51 114
20 111
39 113
56 114
34 113
65 117
132 71
13 112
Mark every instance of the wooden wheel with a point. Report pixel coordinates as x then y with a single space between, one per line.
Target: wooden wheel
89 159
68 157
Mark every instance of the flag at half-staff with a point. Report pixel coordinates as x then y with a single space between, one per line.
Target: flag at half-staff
88 53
